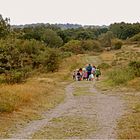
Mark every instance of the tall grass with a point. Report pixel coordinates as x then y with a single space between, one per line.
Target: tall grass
129 124
120 76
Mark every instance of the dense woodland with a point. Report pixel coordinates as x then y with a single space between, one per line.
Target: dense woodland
41 47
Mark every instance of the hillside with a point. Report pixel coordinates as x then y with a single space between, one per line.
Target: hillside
38 97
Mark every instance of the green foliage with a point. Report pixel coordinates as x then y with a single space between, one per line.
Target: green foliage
73 46
105 39
65 54
51 39
91 45
121 76
135 66
4 27
135 37
16 54
116 44
79 47
124 30
124 75
53 61
13 77
18 58
104 66
86 33
42 46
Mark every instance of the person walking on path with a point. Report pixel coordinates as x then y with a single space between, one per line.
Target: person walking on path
89 69
97 73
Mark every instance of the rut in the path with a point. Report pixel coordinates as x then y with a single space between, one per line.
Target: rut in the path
107 110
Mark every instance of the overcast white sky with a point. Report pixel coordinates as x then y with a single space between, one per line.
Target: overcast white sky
95 12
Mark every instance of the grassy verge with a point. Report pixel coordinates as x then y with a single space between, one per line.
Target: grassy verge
22 103
129 124
126 83
79 91
67 127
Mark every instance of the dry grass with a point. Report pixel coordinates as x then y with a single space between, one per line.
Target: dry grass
25 102
134 84
21 103
129 124
67 127
81 91
108 56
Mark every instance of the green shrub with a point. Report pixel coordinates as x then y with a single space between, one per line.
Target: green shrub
12 77
2 78
53 61
65 54
135 37
135 66
73 46
91 45
116 44
121 76
6 107
104 66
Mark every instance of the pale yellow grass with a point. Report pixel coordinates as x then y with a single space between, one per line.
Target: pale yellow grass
25 102
134 84
21 103
107 56
129 124
67 127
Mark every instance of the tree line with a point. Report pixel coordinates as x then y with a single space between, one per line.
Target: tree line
42 47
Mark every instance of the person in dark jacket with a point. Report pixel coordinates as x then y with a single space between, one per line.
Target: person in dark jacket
89 69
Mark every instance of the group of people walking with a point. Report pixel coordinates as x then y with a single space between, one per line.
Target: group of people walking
88 73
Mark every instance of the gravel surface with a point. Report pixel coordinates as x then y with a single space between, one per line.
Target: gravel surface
104 109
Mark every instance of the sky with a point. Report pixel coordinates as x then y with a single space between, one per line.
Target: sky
85 12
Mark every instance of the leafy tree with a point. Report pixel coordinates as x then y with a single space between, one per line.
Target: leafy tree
73 46
116 44
105 39
91 45
4 27
53 61
84 35
135 37
51 39
124 30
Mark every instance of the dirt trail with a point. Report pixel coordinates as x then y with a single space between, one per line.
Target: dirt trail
105 108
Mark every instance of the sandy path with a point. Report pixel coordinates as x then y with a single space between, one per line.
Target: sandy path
107 109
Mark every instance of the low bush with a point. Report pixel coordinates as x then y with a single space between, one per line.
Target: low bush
91 45
104 66
121 76
80 47
135 37
53 61
116 44
73 46
66 54
135 66
14 76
